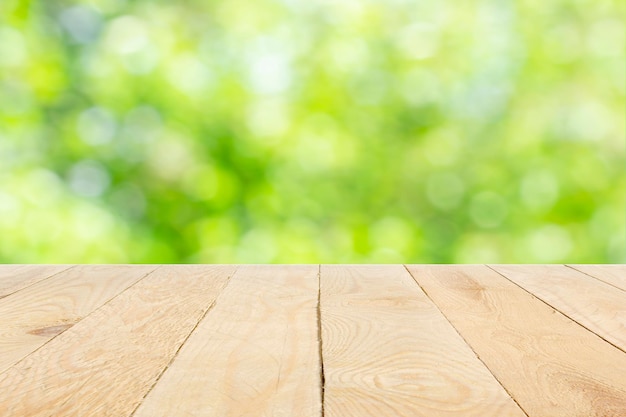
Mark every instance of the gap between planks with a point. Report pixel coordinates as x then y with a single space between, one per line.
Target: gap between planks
560 368
319 338
554 306
590 270
263 333
48 320
183 343
28 281
322 384
97 343
389 351
466 342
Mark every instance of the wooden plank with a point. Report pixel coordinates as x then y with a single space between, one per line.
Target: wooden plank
388 351
611 274
31 317
15 277
552 366
598 306
255 354
106 363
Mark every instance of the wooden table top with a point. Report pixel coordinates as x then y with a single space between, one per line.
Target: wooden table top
311 340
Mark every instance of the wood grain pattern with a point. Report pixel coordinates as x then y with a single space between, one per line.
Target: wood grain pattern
255 354
15 277
611 274
34 315
105 364
188 340
596 305
388 351
551 365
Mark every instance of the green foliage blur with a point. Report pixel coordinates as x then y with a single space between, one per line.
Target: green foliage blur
297 131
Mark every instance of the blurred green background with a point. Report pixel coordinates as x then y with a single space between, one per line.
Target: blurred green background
312 131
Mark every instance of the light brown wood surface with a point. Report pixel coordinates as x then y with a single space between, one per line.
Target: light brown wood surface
611 274
311 340
596 305
15 277
551 365
105 364
31 317
388 351
256 354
